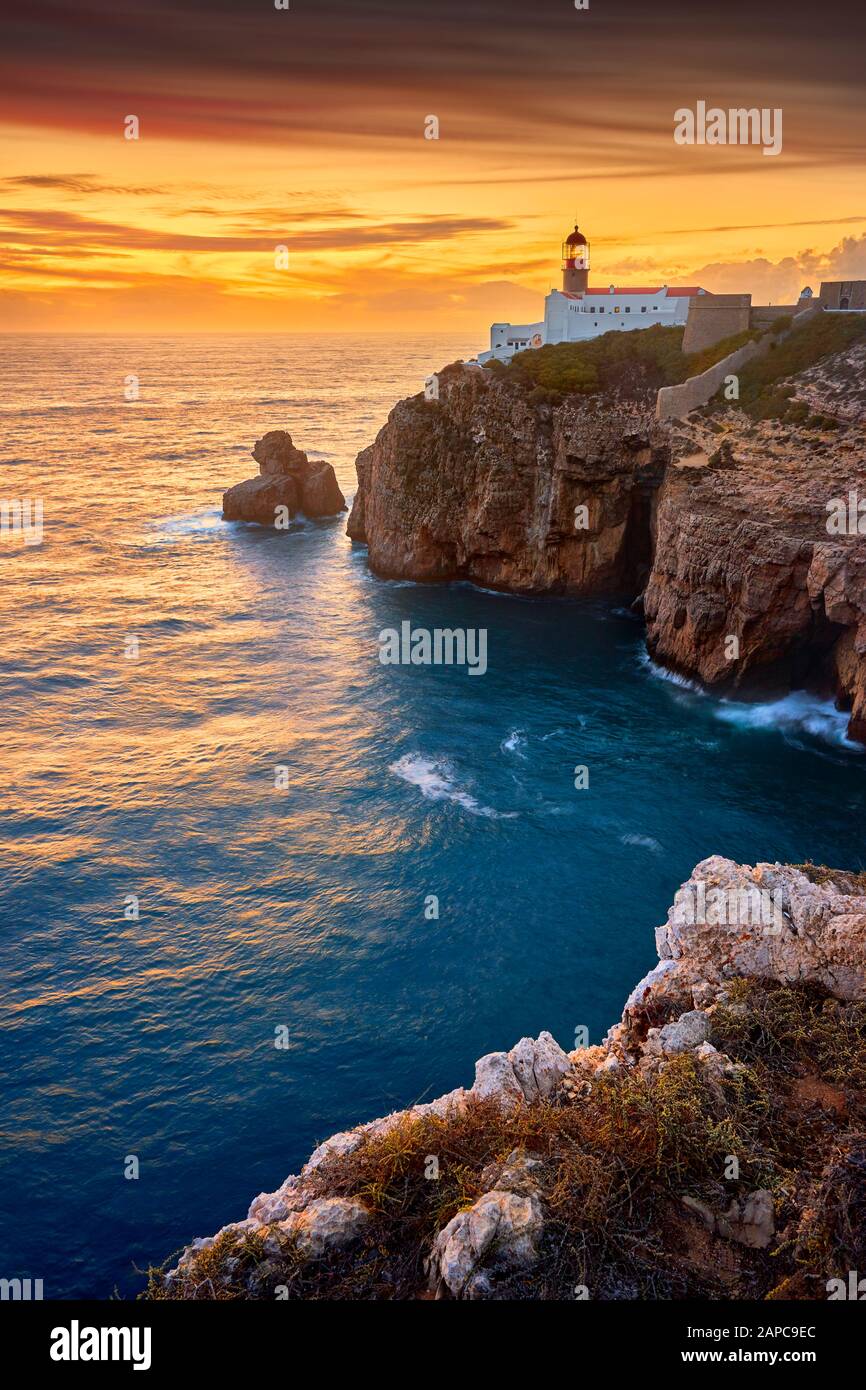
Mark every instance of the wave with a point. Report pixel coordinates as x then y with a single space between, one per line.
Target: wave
643 841
797 712
515 742
434 778
662 673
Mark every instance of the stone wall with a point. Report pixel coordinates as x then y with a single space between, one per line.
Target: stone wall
765 315
834 293
713 317
677 401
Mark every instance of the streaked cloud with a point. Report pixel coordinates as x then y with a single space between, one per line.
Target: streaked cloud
305 127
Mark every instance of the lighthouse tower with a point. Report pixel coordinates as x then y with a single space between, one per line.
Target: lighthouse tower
575 263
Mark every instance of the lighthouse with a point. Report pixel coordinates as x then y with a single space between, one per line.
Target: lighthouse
578 311
575 262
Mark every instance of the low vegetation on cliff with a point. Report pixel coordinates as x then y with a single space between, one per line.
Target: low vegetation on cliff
766 389
627 363
713 1146
618 1155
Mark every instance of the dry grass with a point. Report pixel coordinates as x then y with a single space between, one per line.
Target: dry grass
617 1163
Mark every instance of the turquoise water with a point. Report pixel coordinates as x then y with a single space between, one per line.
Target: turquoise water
304 907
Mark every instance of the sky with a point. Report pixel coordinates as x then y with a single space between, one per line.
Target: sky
304 128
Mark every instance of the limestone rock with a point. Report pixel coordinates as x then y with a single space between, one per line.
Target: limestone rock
257 499
337 1146
499 1231
320 493
531 1071
809 931
329 1223
687 1032
519 1172
746 551
275 453
749 1221
276 1206
495 1079
482 485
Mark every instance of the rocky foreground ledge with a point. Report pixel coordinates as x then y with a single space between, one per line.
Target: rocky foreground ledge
713 1146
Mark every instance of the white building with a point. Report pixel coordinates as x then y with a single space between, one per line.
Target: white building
578 311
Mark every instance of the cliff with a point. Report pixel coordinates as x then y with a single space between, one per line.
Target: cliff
712 1146
742 551
481 484
725 525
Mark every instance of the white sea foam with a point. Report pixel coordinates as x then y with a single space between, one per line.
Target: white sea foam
644 841
434 778
661 673
798 712
515 743
191 524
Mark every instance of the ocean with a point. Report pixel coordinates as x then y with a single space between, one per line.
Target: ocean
300 913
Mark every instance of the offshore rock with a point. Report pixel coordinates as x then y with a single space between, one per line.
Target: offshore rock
287 480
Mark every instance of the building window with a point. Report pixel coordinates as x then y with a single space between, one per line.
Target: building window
601 310
627 309
616 310
643 309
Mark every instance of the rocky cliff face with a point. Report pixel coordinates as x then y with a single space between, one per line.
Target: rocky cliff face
720 523
288 483
482 485
748 589
711 1146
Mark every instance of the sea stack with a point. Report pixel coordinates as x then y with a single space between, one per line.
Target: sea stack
288 483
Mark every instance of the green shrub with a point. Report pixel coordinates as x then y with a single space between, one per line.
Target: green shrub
761 396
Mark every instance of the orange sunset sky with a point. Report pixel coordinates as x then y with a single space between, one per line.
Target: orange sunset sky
305 128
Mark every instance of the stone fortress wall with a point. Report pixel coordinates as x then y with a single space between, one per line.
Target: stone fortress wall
713 317
677 401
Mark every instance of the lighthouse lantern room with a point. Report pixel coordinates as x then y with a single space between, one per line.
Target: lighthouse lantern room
575 262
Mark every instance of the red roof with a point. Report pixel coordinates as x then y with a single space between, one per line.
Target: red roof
652 289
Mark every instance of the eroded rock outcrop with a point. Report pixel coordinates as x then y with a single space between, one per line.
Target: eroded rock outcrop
288 483
482 485
749 592
499 1232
